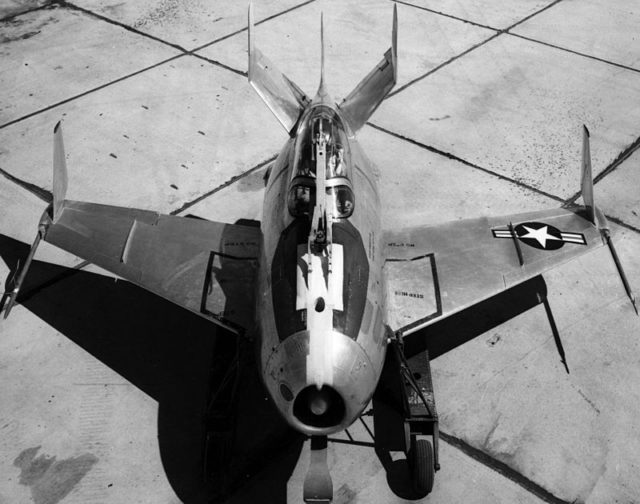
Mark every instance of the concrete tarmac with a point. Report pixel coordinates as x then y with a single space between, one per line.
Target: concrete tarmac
104 386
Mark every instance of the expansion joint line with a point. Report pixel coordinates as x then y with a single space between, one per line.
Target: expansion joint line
453 157
72 6
88 92
11 17
497 33
625 154
442 65
533 14
233 180
183 51
501 468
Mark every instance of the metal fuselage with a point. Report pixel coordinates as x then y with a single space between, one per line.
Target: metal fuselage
321 309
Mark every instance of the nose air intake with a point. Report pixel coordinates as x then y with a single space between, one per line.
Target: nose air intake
322 408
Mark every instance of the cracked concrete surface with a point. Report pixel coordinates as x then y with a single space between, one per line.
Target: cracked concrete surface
486 120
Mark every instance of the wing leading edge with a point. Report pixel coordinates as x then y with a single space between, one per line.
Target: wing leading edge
204 266
434 272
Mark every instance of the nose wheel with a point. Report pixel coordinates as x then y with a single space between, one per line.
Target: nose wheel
318 487
421 465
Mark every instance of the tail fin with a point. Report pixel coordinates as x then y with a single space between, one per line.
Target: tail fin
322 89
59 172
369 93
283 97
587 177
597 217
593 214
59 192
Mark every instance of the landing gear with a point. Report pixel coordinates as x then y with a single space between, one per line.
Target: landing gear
404 408
421 465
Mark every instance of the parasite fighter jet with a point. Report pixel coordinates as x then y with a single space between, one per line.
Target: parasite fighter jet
338 307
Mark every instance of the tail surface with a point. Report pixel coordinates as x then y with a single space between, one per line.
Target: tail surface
59 172
322 90
59 193
587 177
287 101
369 93
283 97
597 217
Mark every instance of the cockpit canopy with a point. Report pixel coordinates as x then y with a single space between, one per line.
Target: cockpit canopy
302 199
322 125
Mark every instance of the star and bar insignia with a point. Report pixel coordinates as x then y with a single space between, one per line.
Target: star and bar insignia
540 235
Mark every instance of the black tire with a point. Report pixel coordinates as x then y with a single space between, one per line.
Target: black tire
421 464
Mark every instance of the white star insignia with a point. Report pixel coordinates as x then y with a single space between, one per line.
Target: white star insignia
541 235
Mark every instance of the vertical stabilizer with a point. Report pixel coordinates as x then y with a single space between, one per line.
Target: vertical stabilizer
322 89
59 172
587 177
597 217
394 42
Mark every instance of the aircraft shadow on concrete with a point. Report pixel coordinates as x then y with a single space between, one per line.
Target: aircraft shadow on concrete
453 331
178 359
181 360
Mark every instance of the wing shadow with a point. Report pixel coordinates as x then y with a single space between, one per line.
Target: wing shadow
455 330
168 353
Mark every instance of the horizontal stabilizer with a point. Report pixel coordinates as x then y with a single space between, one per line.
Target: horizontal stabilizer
367 96
283 97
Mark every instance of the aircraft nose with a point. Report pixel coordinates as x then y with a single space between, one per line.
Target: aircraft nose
336 402
320 409
319 402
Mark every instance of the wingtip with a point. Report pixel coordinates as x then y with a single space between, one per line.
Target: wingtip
250 17
395 25
57 126
585 130
250 50
394 42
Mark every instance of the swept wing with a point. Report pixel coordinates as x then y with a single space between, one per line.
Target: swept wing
207 267
434 272
204 266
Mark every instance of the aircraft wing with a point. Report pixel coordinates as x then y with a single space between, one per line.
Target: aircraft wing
207 267
434 272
